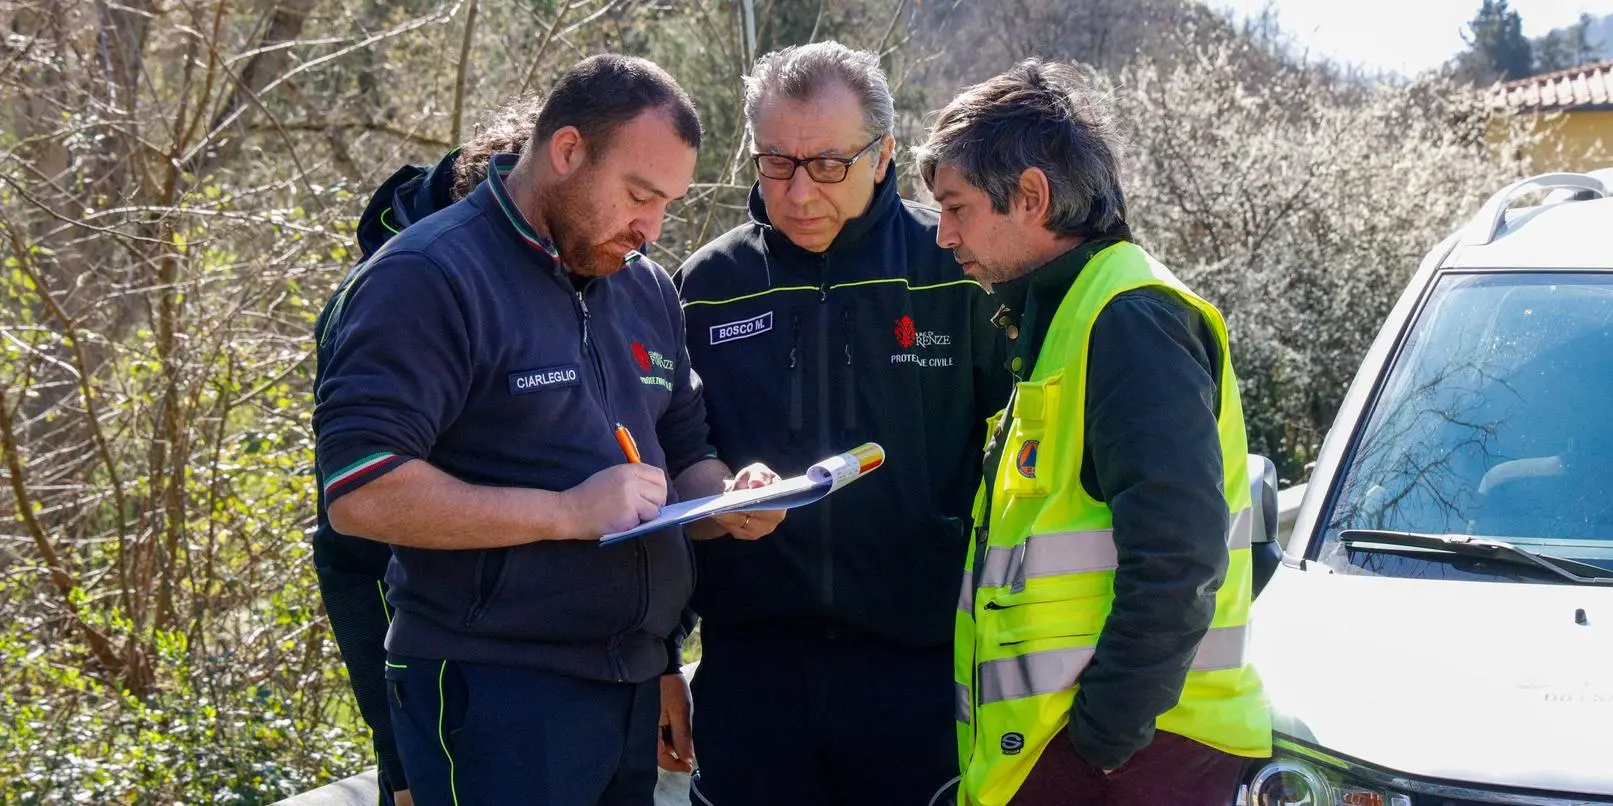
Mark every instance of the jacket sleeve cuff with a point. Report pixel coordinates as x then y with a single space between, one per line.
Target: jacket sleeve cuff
674 654
348 470
674 641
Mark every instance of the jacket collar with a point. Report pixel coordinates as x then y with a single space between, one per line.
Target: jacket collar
498 167
1029 302
884 204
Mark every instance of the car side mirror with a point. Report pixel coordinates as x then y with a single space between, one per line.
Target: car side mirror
1265 553
1263 497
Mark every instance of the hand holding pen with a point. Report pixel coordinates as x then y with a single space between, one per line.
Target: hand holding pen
619 497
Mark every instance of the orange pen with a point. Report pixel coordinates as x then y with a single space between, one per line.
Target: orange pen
624 438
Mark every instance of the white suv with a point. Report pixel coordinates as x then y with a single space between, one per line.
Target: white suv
1439 631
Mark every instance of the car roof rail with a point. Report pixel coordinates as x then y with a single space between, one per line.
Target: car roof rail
1581 194
1485 224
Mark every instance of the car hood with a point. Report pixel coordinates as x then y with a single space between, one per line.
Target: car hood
1491 683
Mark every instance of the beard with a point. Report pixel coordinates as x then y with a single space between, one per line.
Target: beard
586 249
999 268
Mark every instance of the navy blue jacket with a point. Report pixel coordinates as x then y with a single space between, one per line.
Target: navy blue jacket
879 338
464 343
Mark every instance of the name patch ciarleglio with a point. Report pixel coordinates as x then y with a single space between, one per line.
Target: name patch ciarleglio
536 380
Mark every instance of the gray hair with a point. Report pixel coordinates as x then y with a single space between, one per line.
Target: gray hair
1044 115
800 72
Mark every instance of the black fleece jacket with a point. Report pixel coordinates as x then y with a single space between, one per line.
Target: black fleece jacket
879 338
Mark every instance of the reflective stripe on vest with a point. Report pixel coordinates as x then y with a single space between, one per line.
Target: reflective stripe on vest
1059 669
961 710
1058 553
1048 555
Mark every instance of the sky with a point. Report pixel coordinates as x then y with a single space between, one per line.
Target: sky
1405 36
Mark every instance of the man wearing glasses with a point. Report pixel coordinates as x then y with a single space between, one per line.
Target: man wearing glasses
832 319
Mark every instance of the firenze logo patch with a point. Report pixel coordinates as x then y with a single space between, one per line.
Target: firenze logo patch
909 337
649 362
537 380
743 329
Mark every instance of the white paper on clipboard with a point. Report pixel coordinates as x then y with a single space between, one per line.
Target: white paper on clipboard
820 479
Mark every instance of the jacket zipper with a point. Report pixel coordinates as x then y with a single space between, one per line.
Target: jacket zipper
824 445
641 560
797 394
593 355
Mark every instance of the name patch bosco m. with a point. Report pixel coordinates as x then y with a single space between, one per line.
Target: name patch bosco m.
743 329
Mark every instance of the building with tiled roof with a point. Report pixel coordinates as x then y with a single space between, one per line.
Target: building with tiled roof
1587 87
1576 114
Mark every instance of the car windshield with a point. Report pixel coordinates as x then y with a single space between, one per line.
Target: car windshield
1496 419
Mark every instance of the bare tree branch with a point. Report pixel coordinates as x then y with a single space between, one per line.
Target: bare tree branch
562 9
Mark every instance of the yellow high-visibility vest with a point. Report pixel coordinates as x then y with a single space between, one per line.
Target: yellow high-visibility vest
1034 604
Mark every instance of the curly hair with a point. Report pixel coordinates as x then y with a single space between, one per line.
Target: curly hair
508 128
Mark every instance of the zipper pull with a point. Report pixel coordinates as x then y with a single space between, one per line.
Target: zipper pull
845 321
795 340
583 304
797 395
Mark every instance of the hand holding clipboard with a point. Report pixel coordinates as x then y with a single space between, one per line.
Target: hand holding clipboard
820 480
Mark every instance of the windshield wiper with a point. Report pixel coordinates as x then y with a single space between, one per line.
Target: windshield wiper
1471 546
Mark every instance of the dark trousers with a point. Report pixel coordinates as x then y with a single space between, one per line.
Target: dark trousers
356 605
1171 770
479 735
783 720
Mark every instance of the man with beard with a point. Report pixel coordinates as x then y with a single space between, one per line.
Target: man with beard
475 372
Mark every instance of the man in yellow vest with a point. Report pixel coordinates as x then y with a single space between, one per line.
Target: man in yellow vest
1101 626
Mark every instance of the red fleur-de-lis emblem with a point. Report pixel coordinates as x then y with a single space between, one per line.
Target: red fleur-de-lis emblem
905 332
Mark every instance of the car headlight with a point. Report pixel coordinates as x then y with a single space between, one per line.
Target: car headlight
1288 781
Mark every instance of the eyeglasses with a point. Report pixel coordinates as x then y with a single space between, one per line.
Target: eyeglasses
823 170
